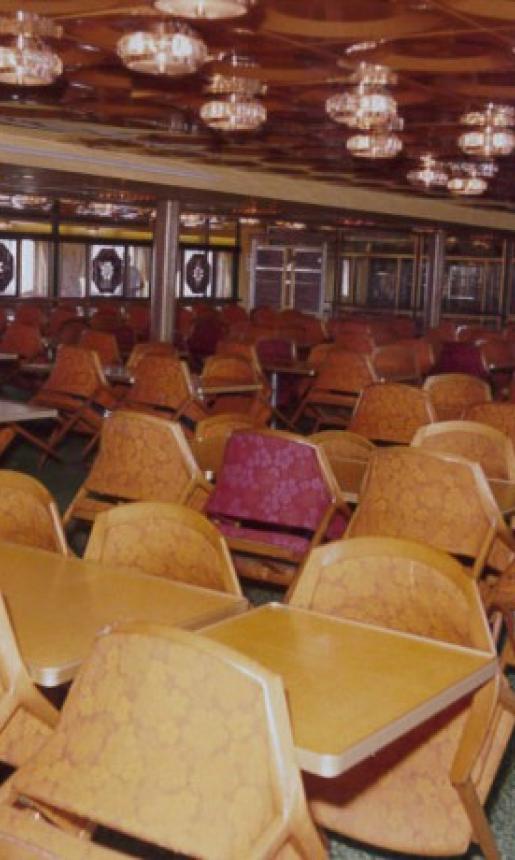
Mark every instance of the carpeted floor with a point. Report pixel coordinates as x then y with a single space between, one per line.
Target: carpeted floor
63 479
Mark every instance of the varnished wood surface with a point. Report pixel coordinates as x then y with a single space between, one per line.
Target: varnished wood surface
12 412
352 688
57 604
504 493
222 386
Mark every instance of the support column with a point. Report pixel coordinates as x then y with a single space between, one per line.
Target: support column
506 278
434 285
165 263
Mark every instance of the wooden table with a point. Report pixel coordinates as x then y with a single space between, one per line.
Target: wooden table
14 412
352 688
213 388
57 604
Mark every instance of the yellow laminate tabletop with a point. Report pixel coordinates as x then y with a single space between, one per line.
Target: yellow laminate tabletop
57 604
352 688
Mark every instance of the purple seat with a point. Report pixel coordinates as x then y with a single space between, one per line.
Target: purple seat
276 498
458 357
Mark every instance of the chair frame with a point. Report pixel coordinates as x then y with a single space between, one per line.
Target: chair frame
424 435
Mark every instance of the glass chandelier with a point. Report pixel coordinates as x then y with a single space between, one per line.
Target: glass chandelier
26 60
374 144
238 109
468 180
205 8
429 174
168 48
492 136
369 105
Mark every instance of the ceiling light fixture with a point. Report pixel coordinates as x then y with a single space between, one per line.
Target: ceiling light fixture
167 48
239 110
374 144
466 180
429 174
369 105
492 136
26 61
205 8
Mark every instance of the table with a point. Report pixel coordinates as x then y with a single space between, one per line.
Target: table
293 368
352 688
13 413
213 388
8 357
57 604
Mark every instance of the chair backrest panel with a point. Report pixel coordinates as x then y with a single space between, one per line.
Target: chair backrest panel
77 371
474 441
161 380
28 513
452 393
391 412
273 478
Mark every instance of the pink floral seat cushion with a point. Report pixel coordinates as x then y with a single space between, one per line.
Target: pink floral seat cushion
296 543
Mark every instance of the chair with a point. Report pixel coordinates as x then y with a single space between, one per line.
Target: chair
461 357
78 389
222 368
438 499
30 314
28 513
23 340
274 499
424 353
498 415
452 393
140 458
396 362
26 716
341 379
473 441
348 455
163 387
222 783
163 539
391 412
142 350
424 793
103 343
211 435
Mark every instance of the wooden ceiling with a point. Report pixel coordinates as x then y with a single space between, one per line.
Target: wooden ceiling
450 56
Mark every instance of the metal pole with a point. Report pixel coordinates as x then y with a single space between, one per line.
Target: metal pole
434 286
165 263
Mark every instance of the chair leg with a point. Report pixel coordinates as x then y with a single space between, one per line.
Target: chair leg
481 828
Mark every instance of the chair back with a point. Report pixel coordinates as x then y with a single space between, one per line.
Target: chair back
30 314
143 458
103 343
441 500
497 353
345 371
28 513
223 367
212 772
424 352
276 349
273 478
461 357
396 583
211 435
396 362
348 455
391 412
498 415
142 350
164 539
162 381
25 340
77 372
452 393
482 444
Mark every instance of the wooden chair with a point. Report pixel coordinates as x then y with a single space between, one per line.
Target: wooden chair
28 513
498 415
164 539
78 389
396 362
220 368
275 498
341 379
222 783
24 340
103 343
142 350
424 793
211 435
438 499
452 393
163 387
26 716
482 444
424 352
140 458
498 595
348 455
391 412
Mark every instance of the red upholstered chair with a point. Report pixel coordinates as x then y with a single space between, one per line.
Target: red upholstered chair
275 498
458 357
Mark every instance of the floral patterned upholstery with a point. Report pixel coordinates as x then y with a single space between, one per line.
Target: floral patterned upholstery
424 352
477 442
452 393
103 343
341 378
396 361
25 340
141 350
211 435
275 495
177 741
28 513
391 412
141 458
498 415
461 358
76 375
440 500
163 539
403 798
25 835
162 385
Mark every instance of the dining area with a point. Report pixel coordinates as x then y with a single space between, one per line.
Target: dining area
198 590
